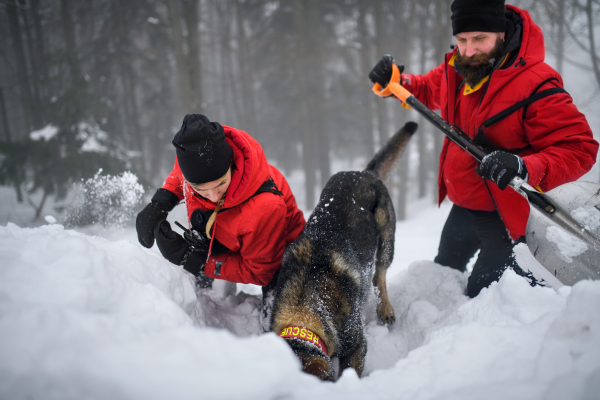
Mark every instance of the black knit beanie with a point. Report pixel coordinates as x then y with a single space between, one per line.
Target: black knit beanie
203 153
478 16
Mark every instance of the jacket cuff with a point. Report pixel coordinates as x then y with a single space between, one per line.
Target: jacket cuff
535 169
165 199
214 264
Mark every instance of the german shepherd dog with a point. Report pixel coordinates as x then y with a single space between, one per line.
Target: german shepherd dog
326 272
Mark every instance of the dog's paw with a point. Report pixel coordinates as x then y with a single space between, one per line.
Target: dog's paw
385 314
318 367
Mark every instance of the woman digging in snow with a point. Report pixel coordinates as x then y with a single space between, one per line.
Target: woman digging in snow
241 210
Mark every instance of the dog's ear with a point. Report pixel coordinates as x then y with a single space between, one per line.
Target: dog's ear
317 366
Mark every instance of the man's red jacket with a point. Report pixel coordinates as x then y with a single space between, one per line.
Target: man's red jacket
256 229
561 147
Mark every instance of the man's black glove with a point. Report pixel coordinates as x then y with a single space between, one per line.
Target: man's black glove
177 250
501 167
162 202
382 72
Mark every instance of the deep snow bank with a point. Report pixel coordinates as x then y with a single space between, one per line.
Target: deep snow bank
81 316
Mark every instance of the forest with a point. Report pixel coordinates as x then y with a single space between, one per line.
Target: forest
105 84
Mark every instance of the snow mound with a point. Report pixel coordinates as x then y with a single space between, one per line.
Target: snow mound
85 317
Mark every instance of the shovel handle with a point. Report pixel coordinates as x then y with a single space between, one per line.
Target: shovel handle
393 88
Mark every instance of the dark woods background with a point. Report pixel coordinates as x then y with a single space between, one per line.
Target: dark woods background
115 78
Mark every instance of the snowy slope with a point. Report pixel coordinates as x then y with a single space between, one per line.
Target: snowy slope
86 317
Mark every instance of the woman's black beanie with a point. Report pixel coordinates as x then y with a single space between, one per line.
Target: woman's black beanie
203 153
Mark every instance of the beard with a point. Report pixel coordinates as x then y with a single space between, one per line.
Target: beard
473 74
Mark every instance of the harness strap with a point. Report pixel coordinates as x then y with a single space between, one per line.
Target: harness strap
480 138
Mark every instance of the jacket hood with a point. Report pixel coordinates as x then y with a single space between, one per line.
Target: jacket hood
250 167
531 50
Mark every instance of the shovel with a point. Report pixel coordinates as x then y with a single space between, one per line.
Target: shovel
563 229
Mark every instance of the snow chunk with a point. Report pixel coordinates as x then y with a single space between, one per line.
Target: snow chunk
567 244
588 217
46 133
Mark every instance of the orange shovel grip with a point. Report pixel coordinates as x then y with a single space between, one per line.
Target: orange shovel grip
393 88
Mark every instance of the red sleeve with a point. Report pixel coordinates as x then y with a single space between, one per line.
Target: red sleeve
562 140
261 251
426 88
174 182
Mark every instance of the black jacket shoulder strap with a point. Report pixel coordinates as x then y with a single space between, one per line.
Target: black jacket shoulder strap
535 96
268 186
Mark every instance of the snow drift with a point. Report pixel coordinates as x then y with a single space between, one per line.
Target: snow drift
85 317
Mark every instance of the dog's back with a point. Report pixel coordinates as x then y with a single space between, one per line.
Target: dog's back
326 273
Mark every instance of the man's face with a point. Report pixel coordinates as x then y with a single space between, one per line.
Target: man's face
477 54
474 43
214 190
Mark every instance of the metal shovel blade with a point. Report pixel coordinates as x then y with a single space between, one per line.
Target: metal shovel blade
567 242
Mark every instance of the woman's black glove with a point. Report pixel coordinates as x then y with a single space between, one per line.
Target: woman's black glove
382 72
198 220
162 202
178 250
501 167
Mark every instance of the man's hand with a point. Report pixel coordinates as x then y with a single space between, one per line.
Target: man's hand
501 167
177 250
382 72
147 220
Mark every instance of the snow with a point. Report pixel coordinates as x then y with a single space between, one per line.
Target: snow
568 245
46 133
588 217
84 316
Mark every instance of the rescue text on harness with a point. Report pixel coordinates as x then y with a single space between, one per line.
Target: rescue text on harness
304 334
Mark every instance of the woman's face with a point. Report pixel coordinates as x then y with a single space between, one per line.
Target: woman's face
214 190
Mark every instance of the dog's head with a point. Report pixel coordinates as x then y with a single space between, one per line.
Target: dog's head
314 361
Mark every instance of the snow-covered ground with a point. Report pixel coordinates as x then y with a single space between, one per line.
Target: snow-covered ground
84 316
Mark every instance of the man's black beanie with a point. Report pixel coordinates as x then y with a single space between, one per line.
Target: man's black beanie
202 151
478 16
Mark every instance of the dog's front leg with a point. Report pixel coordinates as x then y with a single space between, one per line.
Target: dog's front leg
355 358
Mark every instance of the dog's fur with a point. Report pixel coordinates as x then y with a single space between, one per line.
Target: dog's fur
326 273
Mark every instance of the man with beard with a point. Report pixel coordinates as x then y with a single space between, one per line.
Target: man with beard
498 63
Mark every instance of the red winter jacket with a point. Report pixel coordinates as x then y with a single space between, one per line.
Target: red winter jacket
561 145
256 229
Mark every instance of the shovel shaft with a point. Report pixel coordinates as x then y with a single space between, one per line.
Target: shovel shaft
548 210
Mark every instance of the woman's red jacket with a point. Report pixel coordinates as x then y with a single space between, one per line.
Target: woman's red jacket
255 229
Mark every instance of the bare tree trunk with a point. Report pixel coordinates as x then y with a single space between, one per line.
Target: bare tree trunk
190 12
403 186
442 40
589 13
38 208
382 48
21 63
560 39
307 132
424 157
180 58
13 175
368 100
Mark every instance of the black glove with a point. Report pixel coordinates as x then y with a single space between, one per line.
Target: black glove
162 202
177 250
501 167
382 72
198 220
